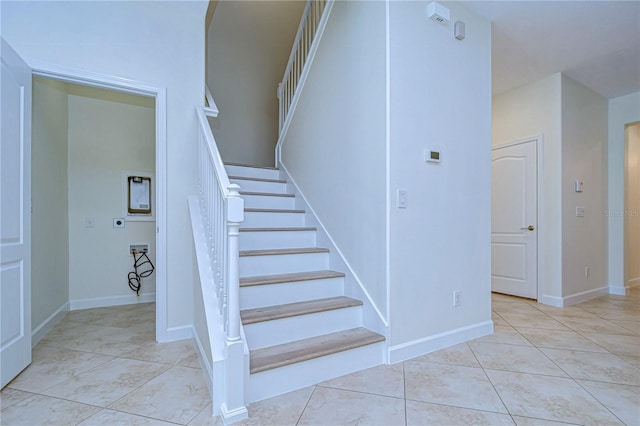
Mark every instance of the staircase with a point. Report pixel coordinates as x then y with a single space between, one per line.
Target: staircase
299 326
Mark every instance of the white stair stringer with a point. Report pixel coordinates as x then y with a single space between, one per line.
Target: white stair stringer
300 328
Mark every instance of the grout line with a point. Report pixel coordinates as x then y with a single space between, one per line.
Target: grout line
359 391
306 405
492 385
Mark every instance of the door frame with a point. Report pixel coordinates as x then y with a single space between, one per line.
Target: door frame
118 84
538 139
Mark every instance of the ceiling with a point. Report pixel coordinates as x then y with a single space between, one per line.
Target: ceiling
597 43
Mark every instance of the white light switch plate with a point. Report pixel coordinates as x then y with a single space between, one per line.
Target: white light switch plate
579 211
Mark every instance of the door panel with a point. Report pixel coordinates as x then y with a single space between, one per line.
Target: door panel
514 263
15 221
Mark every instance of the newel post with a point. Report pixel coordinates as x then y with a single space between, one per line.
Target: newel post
233 407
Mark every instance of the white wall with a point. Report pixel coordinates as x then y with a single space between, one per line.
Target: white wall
527 111
49 218
622 111
440 98
335 146
632 206
160 43
584 157
248 46
109 132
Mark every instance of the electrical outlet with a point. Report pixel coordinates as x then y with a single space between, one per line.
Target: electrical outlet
402 202
138 248
456 298
586 272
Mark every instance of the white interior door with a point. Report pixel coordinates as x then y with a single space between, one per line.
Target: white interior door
15 215
514 233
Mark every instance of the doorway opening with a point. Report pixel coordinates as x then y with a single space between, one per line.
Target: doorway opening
115 129
632 205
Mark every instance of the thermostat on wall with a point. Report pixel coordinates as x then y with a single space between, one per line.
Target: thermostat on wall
431 156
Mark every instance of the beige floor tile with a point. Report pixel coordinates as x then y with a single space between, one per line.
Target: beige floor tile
528 421
43 410
424 413
9 396
602 367
112 341
116 418
51 366
620 345
177 395
506 307
497 319
593 325
329 406
192 361
522 359
503 334
622 400
166 353
283 410
205 418
460 386
459 354
386 380
570 311
559 340
633 326
633 360
538 320
107 383
549 398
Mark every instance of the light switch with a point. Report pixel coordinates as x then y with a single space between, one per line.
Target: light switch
579 211
402 199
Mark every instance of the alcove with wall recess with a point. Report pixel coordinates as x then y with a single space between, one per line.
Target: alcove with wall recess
84 140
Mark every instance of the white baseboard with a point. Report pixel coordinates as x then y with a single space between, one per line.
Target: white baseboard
47 325
552 301
103 302
174 334
619 291
408 350
624 290
584 296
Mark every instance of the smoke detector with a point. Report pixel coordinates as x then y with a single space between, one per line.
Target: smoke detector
438 13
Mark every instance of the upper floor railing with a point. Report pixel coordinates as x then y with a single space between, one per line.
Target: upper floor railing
304 46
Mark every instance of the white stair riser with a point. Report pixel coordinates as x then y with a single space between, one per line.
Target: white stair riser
258 296
272 220
252 172
285 330
251 266
277 381
268 202
263 240
260 186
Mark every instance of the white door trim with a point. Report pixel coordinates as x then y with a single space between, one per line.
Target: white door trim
539 140
119 84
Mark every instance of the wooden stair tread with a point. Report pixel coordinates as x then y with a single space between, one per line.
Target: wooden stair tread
299 228
288 278
266 194
270 313
306 349
257 179
273 211
251 165
274 252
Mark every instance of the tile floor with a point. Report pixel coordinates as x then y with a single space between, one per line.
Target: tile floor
542 366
